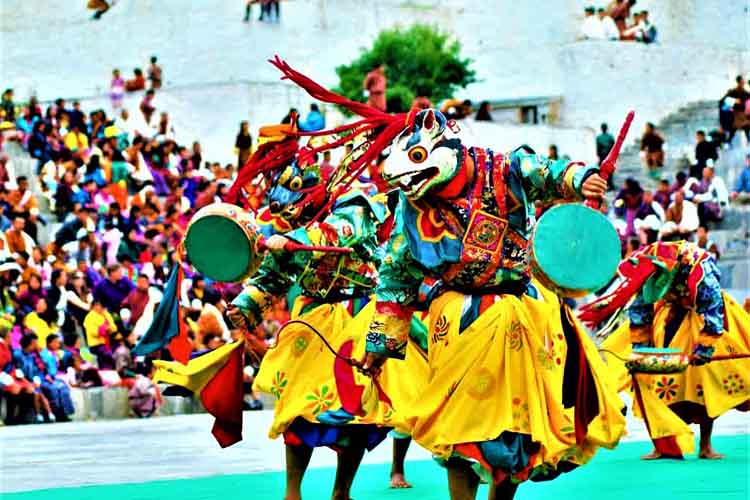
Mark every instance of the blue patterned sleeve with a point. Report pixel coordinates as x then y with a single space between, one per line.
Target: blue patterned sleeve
641 313
709 302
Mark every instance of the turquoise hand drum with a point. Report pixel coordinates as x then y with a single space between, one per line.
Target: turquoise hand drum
223 243
575 250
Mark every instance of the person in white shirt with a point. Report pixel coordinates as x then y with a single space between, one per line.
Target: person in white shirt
591 29
609 28
681 219
711 195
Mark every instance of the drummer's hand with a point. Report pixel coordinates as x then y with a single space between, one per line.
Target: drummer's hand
594 187
276 242
236 316
701 354
372 363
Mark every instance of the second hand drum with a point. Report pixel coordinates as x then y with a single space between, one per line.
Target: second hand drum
224 244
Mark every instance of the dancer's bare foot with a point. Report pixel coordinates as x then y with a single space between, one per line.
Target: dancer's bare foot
710 454
654 455
398 481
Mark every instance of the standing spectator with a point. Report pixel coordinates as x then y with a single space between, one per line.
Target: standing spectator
741 120
704 151
484 113
591 28
609 28
315 120
7 106
155 74
604 144
98 326
248 10
704 241
741 192
99 6
682 219
243 144
711 196
147 106
116 89
552 152
652 143
113 290
375 87
619 11
138 82
663 193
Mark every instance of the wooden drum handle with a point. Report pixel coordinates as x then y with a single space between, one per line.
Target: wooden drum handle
291 246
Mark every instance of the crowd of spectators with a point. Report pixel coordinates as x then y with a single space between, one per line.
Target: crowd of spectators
267 7
87 245
614 22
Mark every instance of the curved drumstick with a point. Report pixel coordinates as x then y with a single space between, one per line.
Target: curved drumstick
609 164
291 246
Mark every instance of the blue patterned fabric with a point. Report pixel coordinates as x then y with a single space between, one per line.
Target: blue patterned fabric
316 435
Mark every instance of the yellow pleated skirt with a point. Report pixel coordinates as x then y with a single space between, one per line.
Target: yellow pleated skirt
504 372
299 371
717 387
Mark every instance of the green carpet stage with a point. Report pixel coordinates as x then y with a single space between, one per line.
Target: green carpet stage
612 475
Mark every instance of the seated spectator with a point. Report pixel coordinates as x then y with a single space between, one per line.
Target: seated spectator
138 82
592 28
456 109
56 393
704 241
619 11
679 183
648 219
642 30
315 120
76 140
18 392
627 202
78 299
484 113
137 299
711 196
609 28
99 325
211 320
113 290
681 220
662 194
652 151
42 320
739 96
144 396
741 192
17 239
21 200
704 151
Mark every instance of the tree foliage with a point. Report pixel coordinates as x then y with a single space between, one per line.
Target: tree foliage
420 61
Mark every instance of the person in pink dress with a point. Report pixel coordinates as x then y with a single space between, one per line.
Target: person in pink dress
116 89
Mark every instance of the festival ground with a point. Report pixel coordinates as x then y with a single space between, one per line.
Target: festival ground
174 458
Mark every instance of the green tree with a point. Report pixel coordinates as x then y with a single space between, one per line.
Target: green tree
419 61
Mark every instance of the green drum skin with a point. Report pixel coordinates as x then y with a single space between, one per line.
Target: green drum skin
575 250
221 243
